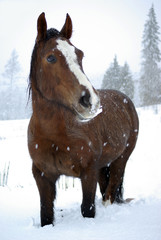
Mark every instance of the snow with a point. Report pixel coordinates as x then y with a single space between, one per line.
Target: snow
139 219
125 100
36 146
68 148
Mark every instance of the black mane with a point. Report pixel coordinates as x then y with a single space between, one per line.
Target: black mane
52 32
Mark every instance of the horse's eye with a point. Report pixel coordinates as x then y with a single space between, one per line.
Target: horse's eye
51 59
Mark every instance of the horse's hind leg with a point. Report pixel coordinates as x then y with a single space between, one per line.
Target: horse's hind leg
47 195
104 175
114 191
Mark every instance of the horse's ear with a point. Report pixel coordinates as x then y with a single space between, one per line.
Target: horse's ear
67 28
41 27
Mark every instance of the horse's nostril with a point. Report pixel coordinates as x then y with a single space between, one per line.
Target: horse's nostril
85 100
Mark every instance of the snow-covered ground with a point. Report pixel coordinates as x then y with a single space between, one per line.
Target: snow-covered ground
138 220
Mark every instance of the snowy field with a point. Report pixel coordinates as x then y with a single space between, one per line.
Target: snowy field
138 220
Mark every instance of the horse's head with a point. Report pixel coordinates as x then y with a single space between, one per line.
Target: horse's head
57 73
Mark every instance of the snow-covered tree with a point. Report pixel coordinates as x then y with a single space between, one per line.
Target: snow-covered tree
12 68
150 81
119 78
111 78
13 93
127 86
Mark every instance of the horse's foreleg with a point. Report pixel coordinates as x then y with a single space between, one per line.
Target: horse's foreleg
89 183
47 193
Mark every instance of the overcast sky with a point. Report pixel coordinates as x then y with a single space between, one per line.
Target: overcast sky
102 28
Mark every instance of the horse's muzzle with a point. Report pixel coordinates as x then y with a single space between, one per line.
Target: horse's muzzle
87 111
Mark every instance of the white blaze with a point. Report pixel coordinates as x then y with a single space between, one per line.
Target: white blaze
71 58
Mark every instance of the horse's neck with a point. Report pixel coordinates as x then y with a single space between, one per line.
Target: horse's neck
51 119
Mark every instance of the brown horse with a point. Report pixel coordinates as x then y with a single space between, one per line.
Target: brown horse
69 133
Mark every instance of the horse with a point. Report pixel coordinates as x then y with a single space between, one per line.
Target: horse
75 130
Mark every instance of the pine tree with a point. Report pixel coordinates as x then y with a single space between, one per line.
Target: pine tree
111 78
150 84
119 78
12 68
127 86
13 98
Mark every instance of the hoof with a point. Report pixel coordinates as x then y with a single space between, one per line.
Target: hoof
88 212
106 203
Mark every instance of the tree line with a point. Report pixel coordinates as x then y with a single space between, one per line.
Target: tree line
148 89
